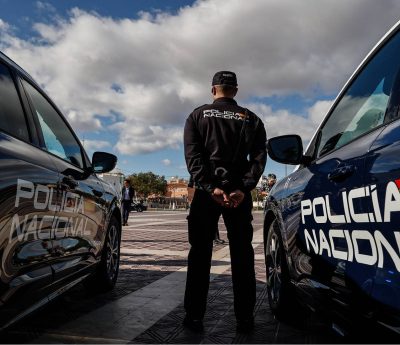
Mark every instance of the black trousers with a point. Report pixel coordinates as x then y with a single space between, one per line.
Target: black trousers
126 208
202 223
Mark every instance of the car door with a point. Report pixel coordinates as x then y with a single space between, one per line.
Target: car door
28 180
383 176
335 249
79 226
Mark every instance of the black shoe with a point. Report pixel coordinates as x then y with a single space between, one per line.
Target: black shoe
195 325
245 325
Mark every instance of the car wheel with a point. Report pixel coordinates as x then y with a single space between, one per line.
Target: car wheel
279 289
106 273
140 209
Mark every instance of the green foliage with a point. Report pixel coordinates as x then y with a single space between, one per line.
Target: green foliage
255 196
147 183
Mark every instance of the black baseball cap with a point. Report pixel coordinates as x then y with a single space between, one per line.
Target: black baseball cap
224 78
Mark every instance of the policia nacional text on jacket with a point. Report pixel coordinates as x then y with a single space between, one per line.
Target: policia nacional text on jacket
214 160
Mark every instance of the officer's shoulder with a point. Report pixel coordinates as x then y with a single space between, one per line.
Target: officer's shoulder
204 106
198 110
253 116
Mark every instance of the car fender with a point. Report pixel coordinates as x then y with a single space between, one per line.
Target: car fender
277 201
114 209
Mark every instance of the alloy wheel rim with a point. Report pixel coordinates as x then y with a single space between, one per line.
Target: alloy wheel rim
274 271
112 252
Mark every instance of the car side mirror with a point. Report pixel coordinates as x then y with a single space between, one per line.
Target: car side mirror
286 149
103 162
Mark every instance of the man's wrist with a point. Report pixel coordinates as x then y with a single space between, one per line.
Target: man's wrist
208 187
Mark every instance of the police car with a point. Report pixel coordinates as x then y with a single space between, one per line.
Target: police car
332 227
59 223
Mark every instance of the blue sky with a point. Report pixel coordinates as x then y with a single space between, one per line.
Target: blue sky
127 73
23 13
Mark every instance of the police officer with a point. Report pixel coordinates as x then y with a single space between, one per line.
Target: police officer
271 180
225 154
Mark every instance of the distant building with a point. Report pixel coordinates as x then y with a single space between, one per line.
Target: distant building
178 195
190 194
115 178
177 188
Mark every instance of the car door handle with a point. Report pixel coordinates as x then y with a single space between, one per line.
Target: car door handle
69 182
341 173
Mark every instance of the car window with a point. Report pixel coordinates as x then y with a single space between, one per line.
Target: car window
12 118
58 138
363 106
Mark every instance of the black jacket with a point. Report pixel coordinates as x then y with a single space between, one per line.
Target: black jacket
211 138
131 193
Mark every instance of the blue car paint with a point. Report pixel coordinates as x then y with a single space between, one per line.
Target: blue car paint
342 286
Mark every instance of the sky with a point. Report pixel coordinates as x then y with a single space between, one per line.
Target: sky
127 73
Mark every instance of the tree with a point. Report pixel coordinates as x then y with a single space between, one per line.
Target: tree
255 194
148 183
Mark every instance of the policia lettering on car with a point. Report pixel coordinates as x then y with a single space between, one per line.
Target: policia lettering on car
46 226
319 243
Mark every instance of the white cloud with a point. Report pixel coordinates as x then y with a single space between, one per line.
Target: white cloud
3 25
282 122
45 6
153 71
166 162
95 145
146 139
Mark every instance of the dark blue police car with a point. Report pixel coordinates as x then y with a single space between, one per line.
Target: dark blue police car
59 223
332 227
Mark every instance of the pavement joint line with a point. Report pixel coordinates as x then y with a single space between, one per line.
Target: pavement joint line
152 213
125 229
159 230
156 223
158 214
256 257
166 252
143 221
59 337
131 315
144 251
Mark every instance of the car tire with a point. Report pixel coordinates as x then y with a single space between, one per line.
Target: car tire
140 209
106 274
281 294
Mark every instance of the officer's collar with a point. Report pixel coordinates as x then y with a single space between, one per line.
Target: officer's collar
225 100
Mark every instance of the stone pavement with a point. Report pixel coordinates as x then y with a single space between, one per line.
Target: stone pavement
146 304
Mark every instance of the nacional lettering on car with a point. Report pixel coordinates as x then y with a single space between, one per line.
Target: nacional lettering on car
322 242
46 223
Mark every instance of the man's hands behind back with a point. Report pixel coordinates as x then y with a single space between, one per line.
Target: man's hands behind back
220 197
232 200
236 197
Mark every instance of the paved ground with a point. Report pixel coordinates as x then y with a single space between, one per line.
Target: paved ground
146 305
